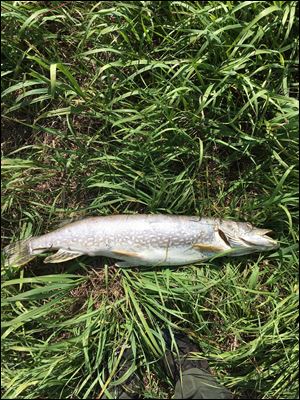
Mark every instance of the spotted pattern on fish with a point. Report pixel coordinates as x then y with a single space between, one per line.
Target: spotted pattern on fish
145 240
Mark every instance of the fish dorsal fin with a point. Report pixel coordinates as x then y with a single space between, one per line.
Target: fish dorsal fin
62 255
207 247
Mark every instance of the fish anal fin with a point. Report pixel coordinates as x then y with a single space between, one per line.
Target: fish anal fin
62 255
206 247
125 253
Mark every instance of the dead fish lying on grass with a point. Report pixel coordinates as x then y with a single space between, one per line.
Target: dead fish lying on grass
144 240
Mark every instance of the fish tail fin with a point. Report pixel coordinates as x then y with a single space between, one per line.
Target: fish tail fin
18 253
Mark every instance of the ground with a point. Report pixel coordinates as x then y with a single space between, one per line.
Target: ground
149 107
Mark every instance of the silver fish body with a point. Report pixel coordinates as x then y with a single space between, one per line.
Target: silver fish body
148 239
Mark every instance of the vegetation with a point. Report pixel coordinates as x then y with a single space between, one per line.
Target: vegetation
149 107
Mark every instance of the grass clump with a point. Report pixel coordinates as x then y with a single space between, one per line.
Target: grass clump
155 107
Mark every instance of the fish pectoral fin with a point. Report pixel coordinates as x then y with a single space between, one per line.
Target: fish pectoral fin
206 247
125 253
62 255
124 264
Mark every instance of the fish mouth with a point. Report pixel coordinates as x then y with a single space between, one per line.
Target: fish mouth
252 241
260 239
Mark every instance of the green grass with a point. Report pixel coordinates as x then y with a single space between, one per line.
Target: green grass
149 107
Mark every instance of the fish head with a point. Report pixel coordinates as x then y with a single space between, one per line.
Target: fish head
244 238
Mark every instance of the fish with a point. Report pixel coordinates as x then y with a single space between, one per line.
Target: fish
144 240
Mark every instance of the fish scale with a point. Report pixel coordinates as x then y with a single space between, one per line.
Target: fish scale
144 239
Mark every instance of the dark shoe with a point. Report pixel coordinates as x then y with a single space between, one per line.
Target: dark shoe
174 361
192 376
132 387
197 383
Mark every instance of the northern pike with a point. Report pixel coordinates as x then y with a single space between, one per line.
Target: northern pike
144 240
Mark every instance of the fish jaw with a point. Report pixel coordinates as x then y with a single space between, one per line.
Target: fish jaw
246 239
258 239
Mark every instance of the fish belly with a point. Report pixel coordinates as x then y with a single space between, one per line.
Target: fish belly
159 256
